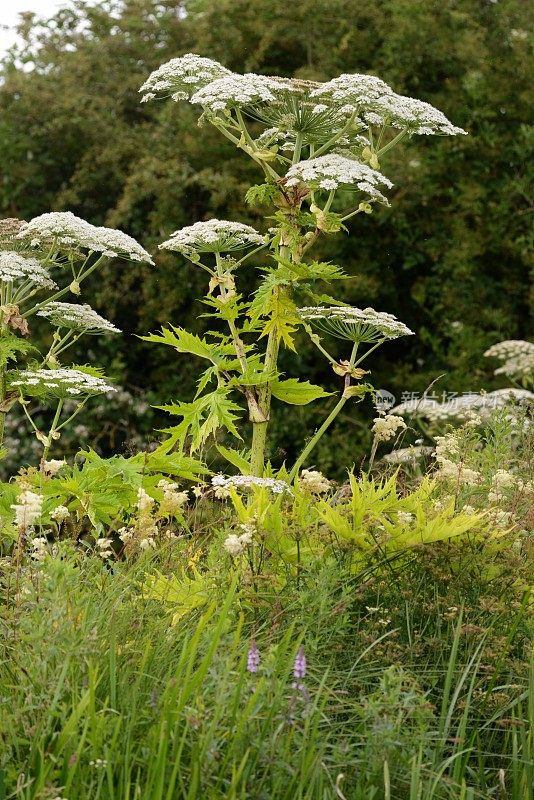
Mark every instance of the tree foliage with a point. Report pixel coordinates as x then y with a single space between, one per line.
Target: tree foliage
454 247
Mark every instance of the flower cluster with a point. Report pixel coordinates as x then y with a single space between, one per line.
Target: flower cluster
517 355
349 92
182 77
464 406
213 236
59 383
173 499
416 116
63 229
334 170
236 544
355 324
385 427
144 532
28 509
378 104
17 268
222 484
313 481
38 548
447 449
77 317
240 90
407 455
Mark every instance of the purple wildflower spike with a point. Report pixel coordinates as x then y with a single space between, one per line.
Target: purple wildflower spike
253 658
299 669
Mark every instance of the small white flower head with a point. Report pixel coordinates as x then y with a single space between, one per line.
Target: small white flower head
234 545
405 517
53 466
248 481
385 427
38 548
355 324
16 268
77 317
144 501
313 481
181 77
59 514
104 548
517 355
213 236
28 509
407 455
66 231
237 91
415 116
350 92
334 170
60 383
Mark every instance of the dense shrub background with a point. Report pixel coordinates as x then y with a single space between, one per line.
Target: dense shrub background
453 248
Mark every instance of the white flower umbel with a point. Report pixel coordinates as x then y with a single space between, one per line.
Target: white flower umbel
410 114
355 324
461 408
237 91
334 170
15 268
66 230
76 317
348 93
248 481
181 77
60 383
213 236
517 355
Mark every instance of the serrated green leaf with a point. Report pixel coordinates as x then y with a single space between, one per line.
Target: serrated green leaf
297 393
235 458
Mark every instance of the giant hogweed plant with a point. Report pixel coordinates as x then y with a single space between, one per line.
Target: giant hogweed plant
43 262
320 148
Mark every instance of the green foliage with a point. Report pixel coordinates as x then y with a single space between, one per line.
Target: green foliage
441 246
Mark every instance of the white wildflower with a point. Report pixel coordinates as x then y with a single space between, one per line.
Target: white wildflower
173 500
350 92
385 427
311 480
61 383
405 517
17 268
53 466
233 91
28 509
104 547
60 514
144 501
66 230
181 77
234 545
38 548
355 324
247 481
408 113
77 317
213 236
334 170
406 455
